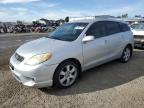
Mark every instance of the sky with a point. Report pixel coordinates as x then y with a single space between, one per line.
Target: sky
29 10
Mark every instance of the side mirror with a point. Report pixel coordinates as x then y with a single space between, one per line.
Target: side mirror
88 38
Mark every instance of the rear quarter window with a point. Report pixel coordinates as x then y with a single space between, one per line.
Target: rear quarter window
124 27
112 27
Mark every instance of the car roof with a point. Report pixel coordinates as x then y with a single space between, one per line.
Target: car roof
97 19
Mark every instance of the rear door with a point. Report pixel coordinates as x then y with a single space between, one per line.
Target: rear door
115 39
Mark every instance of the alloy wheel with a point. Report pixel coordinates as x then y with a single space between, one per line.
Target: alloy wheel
68 75
127 54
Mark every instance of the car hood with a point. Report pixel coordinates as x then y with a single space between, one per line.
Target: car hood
40 46
138 32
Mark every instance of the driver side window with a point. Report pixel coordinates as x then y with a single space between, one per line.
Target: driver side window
97 29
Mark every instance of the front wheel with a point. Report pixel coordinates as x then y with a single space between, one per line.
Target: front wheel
127 53
66 74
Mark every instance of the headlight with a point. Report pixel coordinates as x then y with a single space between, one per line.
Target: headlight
38 59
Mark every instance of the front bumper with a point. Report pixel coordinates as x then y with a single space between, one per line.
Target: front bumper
33 76
139 43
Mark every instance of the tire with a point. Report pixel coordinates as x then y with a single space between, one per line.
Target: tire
143 46
65 75
126 55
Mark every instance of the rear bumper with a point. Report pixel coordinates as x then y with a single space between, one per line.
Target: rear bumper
33 76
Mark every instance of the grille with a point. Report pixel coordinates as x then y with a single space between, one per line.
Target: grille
18 57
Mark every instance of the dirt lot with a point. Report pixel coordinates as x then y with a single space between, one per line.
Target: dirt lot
113 85
10 42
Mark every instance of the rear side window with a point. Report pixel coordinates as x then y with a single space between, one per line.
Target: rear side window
112 27
124 27
97 29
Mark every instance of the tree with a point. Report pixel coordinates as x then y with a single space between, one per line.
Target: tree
124 15
67 19
118 16
138 16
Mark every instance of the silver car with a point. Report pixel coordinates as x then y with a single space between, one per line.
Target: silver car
58 59
138 32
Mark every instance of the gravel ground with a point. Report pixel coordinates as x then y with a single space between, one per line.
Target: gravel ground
10 42
112 85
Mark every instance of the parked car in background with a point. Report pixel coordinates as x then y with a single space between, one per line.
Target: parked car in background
138 32
72 48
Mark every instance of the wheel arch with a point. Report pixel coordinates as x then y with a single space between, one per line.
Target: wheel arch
131 47
73 60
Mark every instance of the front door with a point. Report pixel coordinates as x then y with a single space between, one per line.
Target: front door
95 52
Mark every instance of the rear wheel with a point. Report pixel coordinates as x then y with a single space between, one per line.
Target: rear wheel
127 53
66 74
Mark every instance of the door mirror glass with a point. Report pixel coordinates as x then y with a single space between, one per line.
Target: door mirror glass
88 38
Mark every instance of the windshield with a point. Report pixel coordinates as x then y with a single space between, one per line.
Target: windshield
68 31
138 26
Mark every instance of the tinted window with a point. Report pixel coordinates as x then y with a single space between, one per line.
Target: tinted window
112 27
97 30
124 27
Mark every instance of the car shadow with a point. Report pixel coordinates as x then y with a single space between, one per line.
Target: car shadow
106 76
